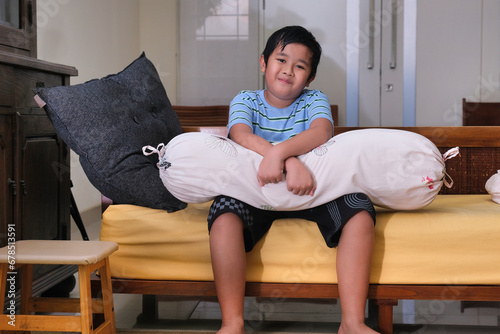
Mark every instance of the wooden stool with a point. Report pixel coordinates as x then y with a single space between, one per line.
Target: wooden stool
88 255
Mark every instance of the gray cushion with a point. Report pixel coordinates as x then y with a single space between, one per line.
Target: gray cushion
107 122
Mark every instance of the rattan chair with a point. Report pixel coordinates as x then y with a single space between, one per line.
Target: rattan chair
480 113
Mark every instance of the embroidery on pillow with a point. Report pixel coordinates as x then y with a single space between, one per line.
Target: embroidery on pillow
323 149
223 144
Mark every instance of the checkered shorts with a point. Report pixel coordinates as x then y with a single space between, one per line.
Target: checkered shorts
330 217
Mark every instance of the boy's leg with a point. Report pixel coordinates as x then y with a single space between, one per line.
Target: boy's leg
354 254
229 267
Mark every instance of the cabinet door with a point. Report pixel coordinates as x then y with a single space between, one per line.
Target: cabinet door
43 190
6 177
43 182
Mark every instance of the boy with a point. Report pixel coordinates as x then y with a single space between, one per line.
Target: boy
281 122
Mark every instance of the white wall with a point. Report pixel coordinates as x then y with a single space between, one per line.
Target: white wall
97 37
446 69
158 38
102 37
490 69
458 56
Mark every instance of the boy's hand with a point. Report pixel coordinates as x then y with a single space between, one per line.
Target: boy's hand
299 179
270 168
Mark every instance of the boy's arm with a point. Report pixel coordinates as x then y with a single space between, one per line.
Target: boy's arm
273 164
320 131
243 135
283 156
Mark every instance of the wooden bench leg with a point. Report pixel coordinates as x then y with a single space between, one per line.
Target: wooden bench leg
107 295
26 288
85 299
108 324
4 267
385 315
5 289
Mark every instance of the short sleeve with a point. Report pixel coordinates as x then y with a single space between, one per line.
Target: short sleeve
241 109
319 106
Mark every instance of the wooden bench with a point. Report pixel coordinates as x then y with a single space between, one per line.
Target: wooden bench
480 158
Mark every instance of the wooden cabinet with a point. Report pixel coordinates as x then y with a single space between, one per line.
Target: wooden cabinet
34 161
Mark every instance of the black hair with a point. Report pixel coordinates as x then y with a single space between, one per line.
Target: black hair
294 34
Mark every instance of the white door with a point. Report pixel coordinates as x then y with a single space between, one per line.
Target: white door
395 62
220 43
418 60
425 55
218 50
350 72
381 63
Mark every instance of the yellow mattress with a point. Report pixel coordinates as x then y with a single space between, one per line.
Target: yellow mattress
454 240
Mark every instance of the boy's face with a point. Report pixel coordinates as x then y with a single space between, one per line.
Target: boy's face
287 74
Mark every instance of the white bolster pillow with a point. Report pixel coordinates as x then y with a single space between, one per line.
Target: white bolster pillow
396 169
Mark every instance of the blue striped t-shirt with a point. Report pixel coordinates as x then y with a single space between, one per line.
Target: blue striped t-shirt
274 124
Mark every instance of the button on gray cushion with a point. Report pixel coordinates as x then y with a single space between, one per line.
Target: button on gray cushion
107 122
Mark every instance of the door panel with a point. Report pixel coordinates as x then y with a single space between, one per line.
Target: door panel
392 64
381 63
43 190
218 48
42 181
6 175
369 63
